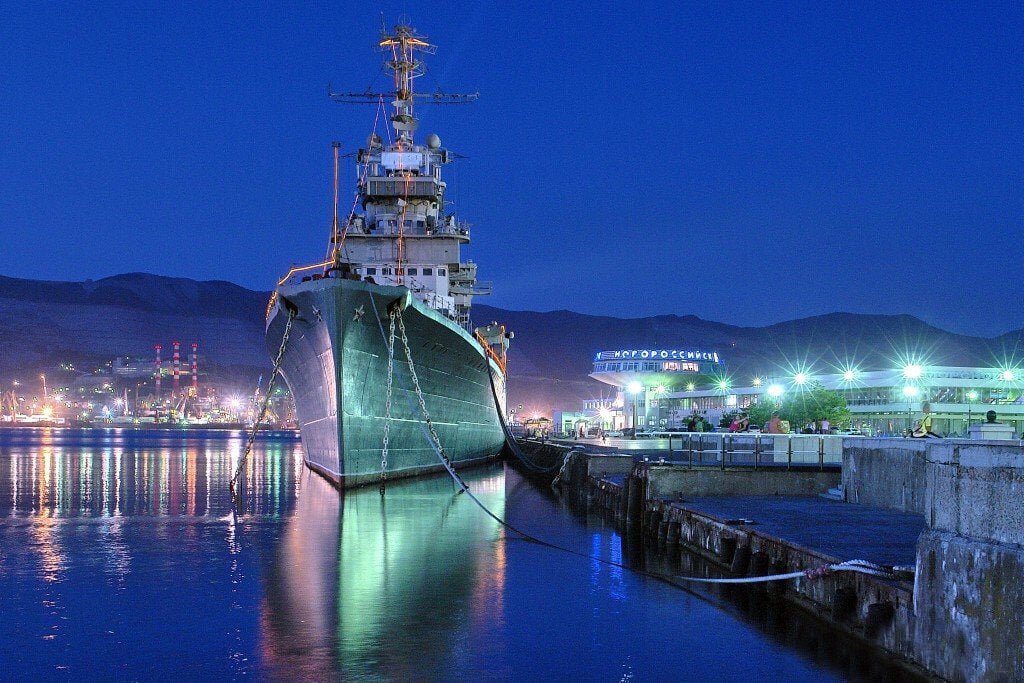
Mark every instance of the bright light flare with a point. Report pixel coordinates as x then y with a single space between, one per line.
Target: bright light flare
775 390
800 378
913 371
1007 375
635 387
911 391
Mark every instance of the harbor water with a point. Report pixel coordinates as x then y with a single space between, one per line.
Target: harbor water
123 557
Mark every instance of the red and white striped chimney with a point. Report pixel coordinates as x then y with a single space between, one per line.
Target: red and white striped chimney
156 370
195 369
176 372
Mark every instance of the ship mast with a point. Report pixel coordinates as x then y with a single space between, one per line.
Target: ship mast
402 46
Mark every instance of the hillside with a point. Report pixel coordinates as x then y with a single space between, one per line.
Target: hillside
45 323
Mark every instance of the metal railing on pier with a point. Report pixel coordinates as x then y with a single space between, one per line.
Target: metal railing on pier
696 449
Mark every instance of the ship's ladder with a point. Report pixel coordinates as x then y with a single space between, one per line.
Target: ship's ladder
292 312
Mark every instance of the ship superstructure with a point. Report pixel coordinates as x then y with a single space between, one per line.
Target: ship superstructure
403 235
331 325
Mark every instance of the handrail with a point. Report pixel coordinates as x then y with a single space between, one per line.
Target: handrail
490 352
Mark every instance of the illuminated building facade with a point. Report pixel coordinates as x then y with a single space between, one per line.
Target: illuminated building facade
881 402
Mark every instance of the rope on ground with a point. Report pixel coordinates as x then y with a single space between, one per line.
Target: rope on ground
860 566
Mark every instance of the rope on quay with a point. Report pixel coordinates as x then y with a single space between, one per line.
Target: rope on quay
859 566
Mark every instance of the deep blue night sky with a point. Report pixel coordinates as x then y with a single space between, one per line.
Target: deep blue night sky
745 164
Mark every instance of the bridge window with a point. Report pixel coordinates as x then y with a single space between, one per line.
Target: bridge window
412 271
371 271
428 271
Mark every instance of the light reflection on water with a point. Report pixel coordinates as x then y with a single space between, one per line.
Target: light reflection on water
121 556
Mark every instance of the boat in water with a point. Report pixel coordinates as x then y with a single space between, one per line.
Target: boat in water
376 343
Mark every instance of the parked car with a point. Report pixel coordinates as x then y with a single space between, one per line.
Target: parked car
614 433
644 434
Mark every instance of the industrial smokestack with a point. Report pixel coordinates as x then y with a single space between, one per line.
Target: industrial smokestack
195 369
156 371
176 371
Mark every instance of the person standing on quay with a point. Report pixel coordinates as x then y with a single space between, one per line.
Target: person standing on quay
923 428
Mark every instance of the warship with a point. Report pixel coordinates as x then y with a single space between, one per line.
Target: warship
376 344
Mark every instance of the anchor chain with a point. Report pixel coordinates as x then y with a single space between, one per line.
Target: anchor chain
292 312
387 403
419 397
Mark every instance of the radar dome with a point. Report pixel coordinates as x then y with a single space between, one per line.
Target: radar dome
433 142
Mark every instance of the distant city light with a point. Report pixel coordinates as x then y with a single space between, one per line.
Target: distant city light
910 391
723 384
972 395
1007 375
47 412
635 387
775 390
604 413
912 371
659 389
757 381
691 386
800 378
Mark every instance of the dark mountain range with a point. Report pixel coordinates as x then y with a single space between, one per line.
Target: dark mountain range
45 323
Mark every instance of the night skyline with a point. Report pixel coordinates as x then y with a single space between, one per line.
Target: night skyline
747 167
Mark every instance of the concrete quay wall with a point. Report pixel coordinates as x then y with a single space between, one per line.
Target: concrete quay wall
673 482
886 473
868 608
969 589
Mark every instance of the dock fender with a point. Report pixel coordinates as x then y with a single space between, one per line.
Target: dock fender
401 303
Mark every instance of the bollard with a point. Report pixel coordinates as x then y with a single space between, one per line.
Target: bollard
821 453
757 449
789 452
689 447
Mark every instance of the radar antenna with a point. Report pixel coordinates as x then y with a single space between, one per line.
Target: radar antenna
403 45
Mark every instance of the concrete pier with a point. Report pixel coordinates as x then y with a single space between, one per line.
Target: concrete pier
952 508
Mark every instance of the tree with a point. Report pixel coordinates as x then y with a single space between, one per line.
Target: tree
802 405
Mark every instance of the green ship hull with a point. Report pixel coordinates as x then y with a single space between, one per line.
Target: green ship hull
335 365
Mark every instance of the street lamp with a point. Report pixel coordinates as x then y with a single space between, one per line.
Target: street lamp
635 388
776 391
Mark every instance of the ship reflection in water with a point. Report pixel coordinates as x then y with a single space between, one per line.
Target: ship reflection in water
121 556
384 585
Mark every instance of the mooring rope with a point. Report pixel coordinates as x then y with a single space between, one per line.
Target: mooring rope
292 312
861 566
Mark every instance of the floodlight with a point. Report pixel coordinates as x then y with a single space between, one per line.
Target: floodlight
912 371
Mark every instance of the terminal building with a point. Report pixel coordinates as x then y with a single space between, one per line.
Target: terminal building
662 388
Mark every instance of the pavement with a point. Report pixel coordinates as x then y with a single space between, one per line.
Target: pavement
842 530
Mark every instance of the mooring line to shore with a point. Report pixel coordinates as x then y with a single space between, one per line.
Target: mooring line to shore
859 566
